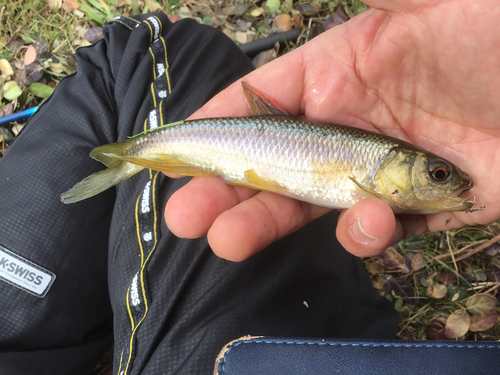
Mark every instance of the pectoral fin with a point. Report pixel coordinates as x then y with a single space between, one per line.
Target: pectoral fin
365 189
169 164
260 183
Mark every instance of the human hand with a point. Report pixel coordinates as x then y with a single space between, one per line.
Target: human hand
422 71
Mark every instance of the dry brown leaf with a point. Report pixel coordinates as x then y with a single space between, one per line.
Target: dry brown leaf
483 321
392 260
417 262
283 22
30 55
257 12
54 4
481 302
436 291
70 5
297 19
375 268
457 324
5 67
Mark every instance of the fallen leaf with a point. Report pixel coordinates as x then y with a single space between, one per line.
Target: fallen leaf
436 291
41 48
436 330
457 293
482 321
70 5
378 282
11 90
375 268
31 73
54 4
16 129
184 12
457 324
57 68
5 67
481 302
273 5
339 16
93 34
240 9
41 90
14 45
417 262
265 56
400 287
392 260
297 19
492 250
242 25
306 9
7 109
447 277
257 12
30 55
493 273
283 22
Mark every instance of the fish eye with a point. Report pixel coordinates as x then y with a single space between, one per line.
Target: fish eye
439 170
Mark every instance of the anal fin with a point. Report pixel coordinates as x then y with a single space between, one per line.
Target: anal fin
260 183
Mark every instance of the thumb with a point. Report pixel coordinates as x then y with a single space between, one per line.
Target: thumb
368 228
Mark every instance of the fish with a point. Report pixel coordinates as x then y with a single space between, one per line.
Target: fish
317 162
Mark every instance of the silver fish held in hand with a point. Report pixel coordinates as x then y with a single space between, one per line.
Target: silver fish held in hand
320 163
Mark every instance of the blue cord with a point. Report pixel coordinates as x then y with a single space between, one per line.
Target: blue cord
17 116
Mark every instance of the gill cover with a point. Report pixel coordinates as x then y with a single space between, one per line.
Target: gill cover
416 181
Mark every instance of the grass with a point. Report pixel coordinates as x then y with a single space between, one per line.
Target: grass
431 279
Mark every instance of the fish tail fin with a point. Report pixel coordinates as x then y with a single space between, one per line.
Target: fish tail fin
118 170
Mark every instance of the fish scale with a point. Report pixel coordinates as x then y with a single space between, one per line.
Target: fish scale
304 157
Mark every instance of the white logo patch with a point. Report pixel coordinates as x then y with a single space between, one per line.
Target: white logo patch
161 69
23 274
162 94
156 26
153 122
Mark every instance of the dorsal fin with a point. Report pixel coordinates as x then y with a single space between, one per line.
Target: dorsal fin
260 104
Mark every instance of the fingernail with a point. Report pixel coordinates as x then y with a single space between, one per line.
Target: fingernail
359 234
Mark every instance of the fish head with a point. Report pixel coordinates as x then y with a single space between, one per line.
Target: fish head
417 181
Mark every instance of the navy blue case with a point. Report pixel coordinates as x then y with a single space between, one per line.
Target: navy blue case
274 355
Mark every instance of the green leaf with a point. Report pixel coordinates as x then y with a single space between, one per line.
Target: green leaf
11 90
273 5
41 90
208 20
